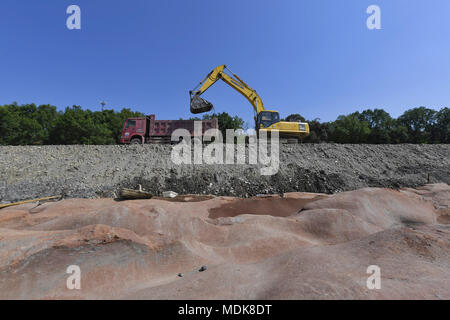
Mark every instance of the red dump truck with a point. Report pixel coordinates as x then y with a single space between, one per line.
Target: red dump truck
149 130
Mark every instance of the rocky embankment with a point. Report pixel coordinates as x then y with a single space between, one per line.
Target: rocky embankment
99 171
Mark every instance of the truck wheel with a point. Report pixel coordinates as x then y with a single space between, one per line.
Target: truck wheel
136 141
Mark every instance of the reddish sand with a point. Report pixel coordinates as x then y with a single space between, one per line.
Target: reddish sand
299 246
276 206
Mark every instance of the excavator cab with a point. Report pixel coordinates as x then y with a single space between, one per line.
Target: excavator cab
267 118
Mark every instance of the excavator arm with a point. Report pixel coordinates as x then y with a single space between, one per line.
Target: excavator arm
199 105
265 120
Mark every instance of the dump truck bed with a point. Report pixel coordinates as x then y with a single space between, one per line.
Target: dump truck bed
159 128
149 130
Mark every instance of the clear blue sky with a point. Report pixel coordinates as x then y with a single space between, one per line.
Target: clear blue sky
313 57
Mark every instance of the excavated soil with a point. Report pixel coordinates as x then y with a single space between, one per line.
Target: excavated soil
290 246
99 171
271 205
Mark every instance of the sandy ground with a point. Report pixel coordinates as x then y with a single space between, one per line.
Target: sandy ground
299 246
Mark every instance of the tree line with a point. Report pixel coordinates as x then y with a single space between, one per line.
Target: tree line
417 125
44 125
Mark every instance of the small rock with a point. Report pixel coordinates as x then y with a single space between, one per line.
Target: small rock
180 275
203 268
169 194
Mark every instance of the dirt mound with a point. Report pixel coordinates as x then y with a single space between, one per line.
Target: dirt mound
414 265
321 250
99 171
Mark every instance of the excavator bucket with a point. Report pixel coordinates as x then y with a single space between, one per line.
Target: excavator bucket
200 105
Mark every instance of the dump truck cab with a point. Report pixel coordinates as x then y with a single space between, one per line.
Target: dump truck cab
133 131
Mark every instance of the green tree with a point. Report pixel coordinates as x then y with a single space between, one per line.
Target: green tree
75 126
226 121
78 126
295 118
399 133
319 132
9 124
110 124
350 129
380 124
441 130
19 125
47 117
419 123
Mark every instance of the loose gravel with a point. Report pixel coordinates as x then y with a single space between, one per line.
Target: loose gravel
28 172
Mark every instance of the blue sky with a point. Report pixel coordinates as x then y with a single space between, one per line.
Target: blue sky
313 57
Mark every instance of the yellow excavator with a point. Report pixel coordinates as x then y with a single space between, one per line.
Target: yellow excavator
265 120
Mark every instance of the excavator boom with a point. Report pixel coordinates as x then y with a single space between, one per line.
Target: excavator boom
199 105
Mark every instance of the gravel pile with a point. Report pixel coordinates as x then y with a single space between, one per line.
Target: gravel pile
99 171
